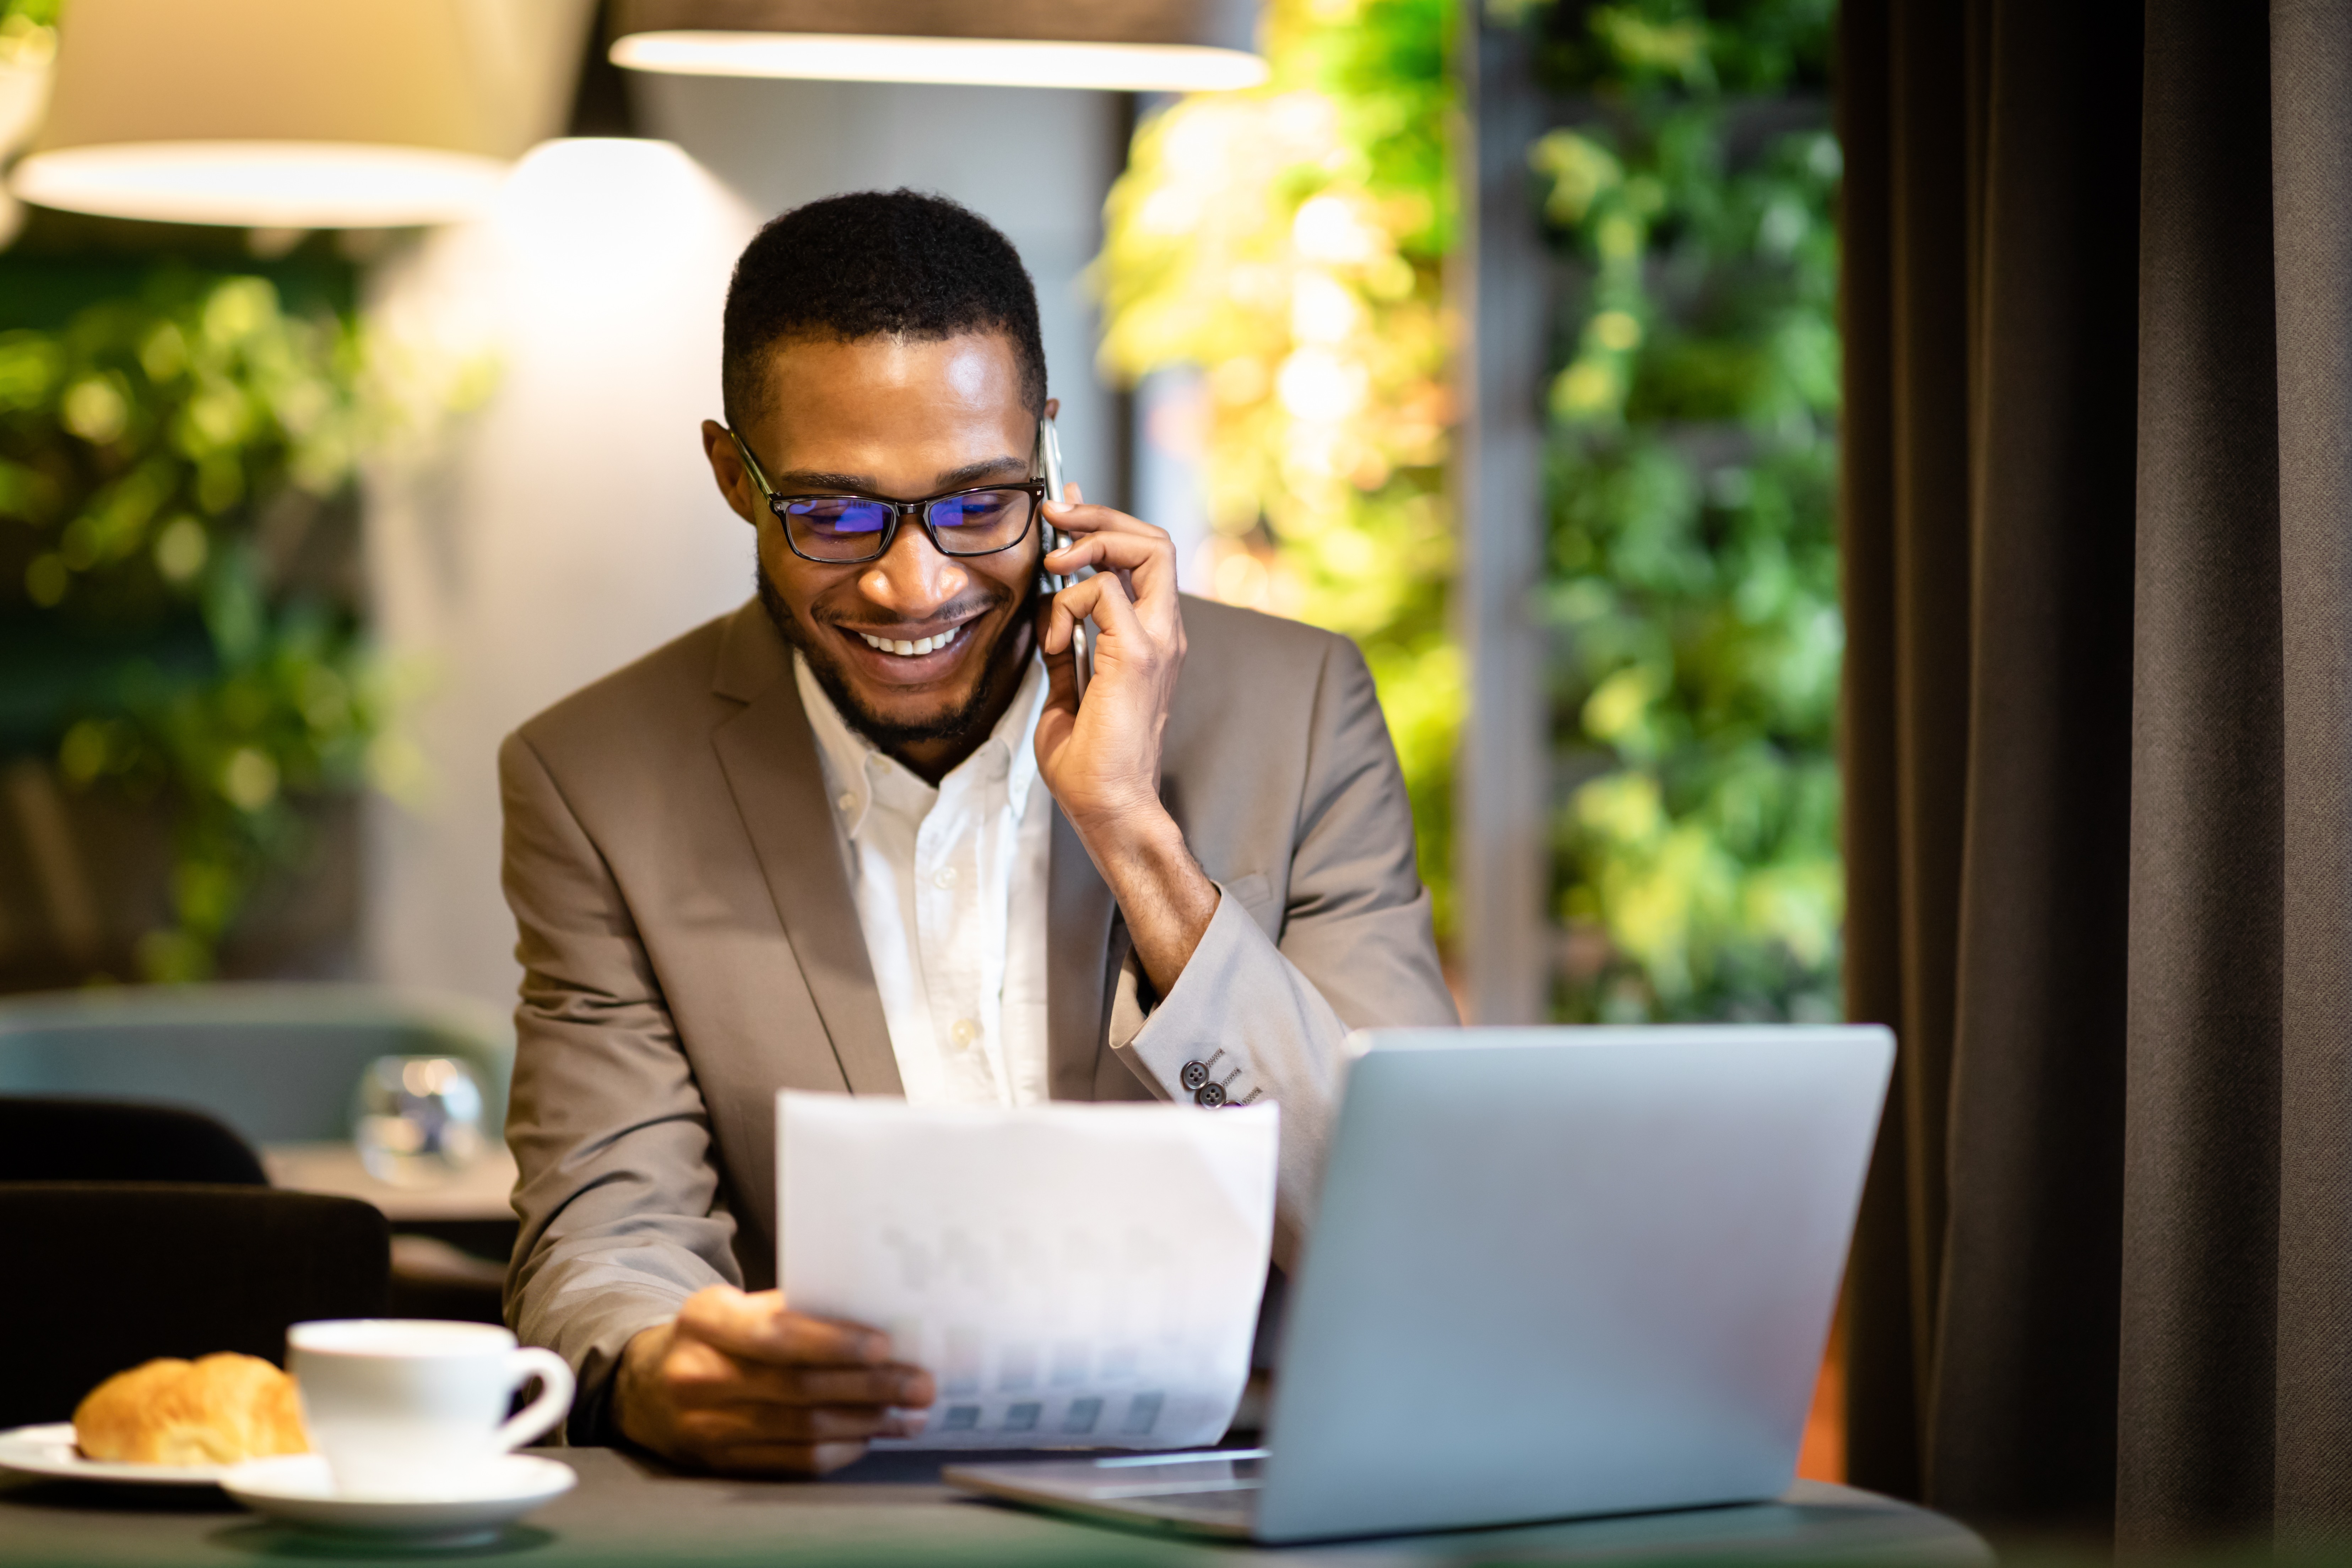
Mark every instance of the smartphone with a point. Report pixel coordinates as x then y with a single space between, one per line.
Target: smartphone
1048 462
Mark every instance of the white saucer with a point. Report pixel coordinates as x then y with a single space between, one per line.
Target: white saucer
48 1451
298 1490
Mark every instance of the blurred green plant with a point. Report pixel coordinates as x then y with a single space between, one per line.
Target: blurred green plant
165 463
27 24
1693 572
28 49
1288 242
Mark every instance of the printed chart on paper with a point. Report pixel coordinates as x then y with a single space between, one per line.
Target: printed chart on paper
1070 1274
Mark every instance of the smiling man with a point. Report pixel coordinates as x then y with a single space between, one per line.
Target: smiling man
862 835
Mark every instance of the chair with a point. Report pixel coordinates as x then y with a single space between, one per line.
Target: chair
277 1063
50 1140
105 1276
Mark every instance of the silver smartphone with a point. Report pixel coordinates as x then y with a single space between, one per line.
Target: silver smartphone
1048 463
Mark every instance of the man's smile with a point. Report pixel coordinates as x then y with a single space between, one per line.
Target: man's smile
924 653
903 648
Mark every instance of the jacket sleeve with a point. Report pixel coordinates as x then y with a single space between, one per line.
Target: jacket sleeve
1264 1017
618 1194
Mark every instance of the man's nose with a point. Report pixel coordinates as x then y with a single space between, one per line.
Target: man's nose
914 579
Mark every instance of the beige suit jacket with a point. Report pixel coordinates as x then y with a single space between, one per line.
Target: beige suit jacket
690 946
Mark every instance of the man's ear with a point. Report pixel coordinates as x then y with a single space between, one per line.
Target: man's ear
1053 408
726 469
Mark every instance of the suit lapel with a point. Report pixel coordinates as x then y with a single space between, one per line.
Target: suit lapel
769 755
1079 961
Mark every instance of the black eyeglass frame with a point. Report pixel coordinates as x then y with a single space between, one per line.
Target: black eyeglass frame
920 511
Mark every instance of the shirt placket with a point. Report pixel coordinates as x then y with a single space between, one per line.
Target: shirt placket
989 887
948 912
896 807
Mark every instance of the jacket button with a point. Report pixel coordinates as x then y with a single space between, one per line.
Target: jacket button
1194 1075
1210 1094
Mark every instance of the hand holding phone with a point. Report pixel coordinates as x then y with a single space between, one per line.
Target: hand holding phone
1119 613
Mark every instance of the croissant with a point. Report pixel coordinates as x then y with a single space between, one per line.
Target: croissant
219 1410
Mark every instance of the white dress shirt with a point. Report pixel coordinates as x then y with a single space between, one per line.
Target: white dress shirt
950 886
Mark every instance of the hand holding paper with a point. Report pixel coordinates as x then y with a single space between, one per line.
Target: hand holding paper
1069 1274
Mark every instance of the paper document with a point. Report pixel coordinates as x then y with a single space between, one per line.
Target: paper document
1069 1274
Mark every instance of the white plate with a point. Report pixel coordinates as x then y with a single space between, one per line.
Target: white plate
298 1490
49 1451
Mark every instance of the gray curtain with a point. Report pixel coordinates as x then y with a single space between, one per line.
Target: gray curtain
2098 757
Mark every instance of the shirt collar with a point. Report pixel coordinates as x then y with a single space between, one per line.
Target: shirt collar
850 759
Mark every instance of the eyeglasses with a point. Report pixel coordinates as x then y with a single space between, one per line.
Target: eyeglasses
845 530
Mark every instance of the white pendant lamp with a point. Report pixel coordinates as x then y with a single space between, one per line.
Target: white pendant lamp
1131 45
299 114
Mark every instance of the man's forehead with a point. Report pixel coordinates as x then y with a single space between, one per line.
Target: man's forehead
883 414
970 366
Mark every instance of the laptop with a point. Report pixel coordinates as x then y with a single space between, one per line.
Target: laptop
1555 1272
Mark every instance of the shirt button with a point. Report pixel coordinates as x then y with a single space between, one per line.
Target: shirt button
847 802
1211 1095
1194 1075
944 877
963 1031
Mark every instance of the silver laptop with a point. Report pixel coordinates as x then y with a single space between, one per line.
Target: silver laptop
1556 1272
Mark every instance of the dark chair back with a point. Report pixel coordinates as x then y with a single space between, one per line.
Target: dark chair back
104 1275
54 1139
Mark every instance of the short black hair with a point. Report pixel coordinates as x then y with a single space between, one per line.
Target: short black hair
874 263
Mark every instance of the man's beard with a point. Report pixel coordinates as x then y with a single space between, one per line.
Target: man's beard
968 722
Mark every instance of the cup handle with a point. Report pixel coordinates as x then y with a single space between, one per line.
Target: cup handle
554 1401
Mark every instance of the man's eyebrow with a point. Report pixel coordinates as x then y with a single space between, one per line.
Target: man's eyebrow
972 473
816 479
796 481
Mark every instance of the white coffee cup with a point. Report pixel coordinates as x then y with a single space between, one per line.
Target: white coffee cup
404 1408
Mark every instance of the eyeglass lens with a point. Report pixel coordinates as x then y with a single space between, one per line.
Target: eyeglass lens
975 523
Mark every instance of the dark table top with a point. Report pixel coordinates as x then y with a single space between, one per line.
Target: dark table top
891 1508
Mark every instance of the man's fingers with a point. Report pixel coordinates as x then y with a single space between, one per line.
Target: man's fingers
1076 517
1061 664
898 1384
796 1339
756 1382
1100 597
757 1327
1113 612
1145 568
1111 541
738 1385
885 1388
1115 551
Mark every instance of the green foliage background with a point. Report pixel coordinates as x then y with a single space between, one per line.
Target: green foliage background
182 623
1693 576
1290 242
1691 585
163 456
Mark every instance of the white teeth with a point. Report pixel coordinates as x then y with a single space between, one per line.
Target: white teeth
913 649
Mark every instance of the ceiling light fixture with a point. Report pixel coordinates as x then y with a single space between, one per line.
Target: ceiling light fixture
1126 46
263 184
297 113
